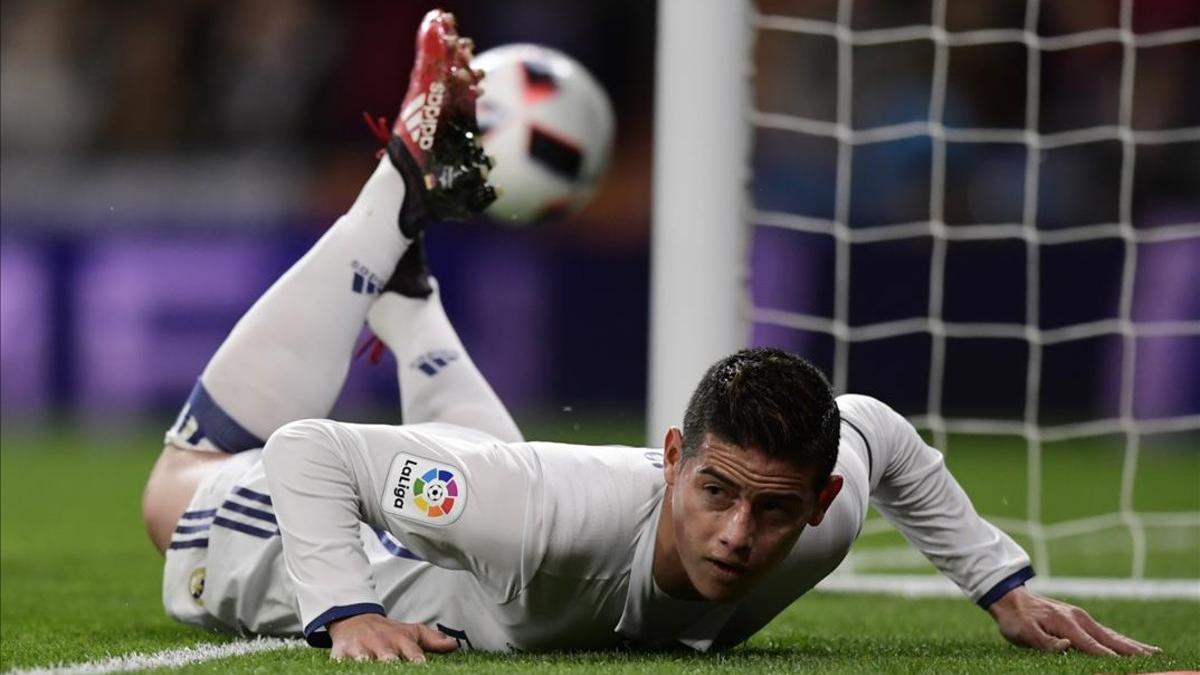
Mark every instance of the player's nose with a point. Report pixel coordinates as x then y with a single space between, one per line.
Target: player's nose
737 529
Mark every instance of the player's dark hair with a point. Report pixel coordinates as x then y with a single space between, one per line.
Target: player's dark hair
770 400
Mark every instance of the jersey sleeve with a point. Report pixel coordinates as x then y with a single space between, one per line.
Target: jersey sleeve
913 489
454 498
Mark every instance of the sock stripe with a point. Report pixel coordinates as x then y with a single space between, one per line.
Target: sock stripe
213 423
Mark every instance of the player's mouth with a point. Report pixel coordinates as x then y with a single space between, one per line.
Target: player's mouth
727 571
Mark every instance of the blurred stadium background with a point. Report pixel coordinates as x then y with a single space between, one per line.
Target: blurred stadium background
162 162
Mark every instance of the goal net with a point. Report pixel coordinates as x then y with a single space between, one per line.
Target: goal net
986 214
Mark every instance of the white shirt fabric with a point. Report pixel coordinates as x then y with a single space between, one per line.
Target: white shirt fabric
550 546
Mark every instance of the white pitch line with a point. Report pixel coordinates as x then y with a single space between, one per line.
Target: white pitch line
934 586
171 658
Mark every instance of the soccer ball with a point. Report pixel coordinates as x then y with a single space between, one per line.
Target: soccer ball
549 127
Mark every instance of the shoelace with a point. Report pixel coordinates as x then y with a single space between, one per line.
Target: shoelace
373 347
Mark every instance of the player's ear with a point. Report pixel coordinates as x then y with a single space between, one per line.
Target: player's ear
825 498
672 454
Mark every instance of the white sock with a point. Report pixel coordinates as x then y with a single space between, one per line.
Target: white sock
287 358
438 380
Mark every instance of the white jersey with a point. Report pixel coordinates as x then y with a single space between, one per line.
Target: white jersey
525 546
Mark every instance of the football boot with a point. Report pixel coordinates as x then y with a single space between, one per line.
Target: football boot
435 141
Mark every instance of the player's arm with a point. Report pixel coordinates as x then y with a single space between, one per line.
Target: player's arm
460 501
314 484
912 488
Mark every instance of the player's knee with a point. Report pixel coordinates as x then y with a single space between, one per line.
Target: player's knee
169 488
154 512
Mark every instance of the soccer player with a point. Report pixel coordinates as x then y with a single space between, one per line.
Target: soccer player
451 531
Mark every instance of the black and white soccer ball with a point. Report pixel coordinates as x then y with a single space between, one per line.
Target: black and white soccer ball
548 125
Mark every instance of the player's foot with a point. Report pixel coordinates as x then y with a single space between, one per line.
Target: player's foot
411 278
435 139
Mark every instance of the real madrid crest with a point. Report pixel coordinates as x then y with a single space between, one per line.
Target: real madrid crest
196 585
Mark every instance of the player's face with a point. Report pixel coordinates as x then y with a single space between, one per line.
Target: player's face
736 512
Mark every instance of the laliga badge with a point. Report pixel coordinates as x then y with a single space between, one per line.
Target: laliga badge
424 490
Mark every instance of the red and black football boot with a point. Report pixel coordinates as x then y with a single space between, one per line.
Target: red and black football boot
435 141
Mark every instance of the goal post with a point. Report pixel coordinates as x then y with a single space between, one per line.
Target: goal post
701 150
723 230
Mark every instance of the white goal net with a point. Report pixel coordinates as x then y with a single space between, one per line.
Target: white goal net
986 214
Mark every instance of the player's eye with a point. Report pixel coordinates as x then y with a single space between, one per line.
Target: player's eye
778 510
713 490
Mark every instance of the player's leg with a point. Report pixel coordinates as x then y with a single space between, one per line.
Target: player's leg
438 380
287 358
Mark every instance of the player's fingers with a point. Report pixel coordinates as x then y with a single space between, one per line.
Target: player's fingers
1119 643
352 651
1148 648
385 654
1111 638
382 647
378 647
409 650
1033 636
435 641
1064 625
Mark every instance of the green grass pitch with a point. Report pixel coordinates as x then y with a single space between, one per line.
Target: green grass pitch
79 580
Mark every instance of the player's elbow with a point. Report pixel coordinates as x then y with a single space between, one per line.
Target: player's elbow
298 445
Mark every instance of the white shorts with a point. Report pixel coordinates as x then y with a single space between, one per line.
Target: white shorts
224 565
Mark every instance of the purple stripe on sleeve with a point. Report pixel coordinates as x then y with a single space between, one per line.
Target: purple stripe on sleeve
244 528
249 511
191 543
252 495
394 547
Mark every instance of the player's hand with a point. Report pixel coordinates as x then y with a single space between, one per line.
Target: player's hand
1027 619
371 637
